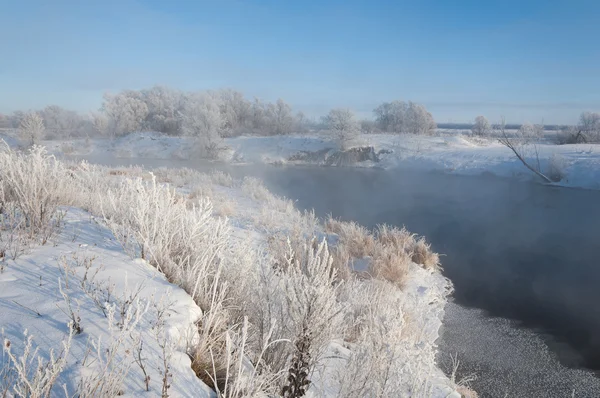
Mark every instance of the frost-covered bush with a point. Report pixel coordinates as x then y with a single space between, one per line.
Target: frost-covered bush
185 244
388 357
32 374
481 127
36 184
358 239
556 167
402 117
31 128
343 126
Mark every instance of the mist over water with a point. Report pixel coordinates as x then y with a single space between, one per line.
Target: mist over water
520 251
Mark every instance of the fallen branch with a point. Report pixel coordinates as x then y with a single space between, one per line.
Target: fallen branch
507 142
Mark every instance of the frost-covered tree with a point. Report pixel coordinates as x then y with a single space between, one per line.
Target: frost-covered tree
163 105
58 119
343 125
391 116
201 118
15 119
527 131
280 117
4 121
125 112
368 126
258 114
400 117
589 125
31 128
419 120
481 127
235 111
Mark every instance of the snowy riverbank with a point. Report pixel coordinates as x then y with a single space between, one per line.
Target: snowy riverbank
447 152
85 293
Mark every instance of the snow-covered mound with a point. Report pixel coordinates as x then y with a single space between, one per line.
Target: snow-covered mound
124 311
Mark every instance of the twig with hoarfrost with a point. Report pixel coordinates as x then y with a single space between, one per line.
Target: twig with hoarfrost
35 377
111 362
314 313
75 319
139 360
244 378
514 146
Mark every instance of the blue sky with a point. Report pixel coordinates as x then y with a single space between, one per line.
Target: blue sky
525 60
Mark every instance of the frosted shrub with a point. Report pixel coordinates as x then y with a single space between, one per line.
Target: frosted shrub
37 184
556 167
254 188
390 264
313 313
358 239
111 360
220 178
34 376
184 244
424 256
388 357
415 247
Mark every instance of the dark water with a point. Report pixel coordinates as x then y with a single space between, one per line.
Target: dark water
518 251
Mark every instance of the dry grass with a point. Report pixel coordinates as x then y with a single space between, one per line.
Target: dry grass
415 247
422 255
224 207
200 191
210 370
390 265
358 240
390 250
220 178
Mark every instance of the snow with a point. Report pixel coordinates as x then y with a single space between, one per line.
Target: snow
453 153
31 284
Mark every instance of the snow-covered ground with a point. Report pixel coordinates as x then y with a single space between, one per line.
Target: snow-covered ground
452 152
89 266
128 323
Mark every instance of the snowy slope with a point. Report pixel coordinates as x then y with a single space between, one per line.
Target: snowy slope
106 304
31 302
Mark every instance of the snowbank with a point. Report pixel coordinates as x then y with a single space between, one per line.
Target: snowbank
87 264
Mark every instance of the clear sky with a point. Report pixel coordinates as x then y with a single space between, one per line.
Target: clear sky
526 60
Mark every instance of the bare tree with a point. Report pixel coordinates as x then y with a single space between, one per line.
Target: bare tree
516 144
343 125
32 127
481 127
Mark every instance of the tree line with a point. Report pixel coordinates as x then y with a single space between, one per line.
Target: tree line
210 114
587 129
